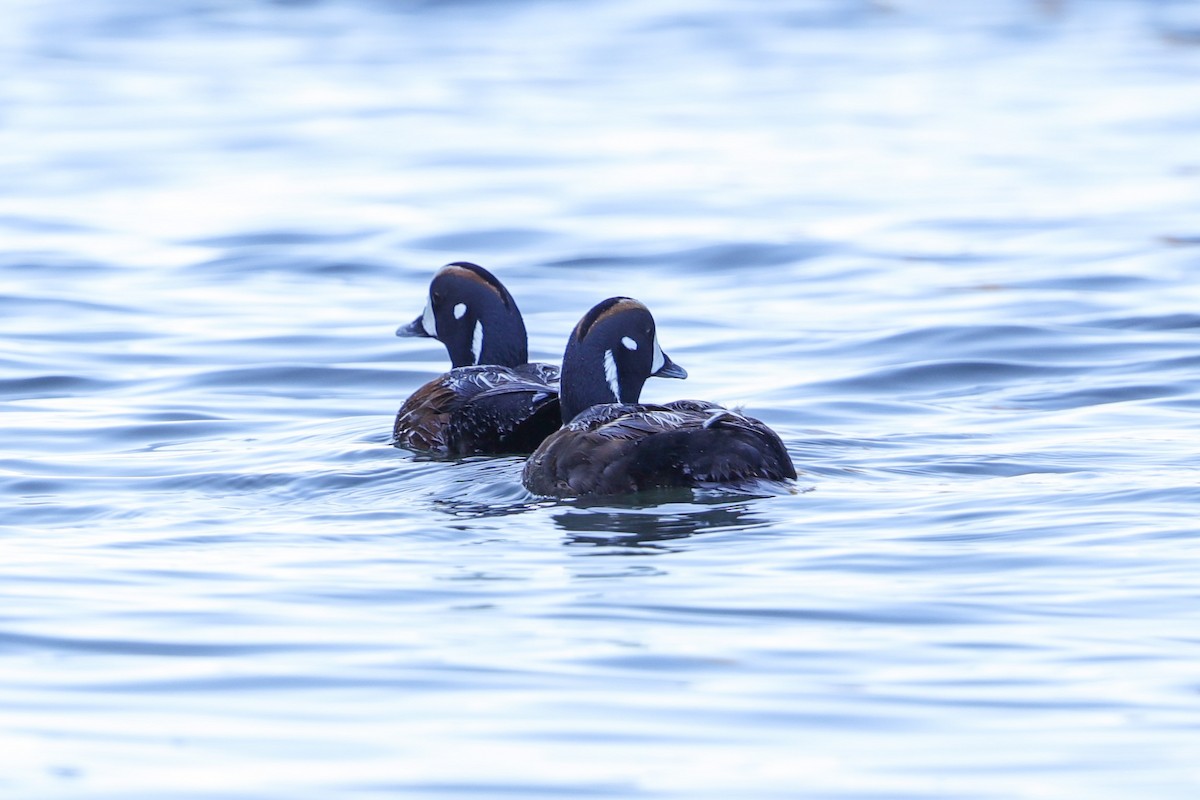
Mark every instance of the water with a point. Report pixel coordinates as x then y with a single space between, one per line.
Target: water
950 254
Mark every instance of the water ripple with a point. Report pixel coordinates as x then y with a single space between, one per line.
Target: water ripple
219 580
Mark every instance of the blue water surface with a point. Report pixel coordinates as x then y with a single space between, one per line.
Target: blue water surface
948 250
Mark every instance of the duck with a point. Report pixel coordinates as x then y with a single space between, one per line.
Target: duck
612 444
492 401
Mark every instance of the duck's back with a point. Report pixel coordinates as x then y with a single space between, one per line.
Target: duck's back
481 410
618 448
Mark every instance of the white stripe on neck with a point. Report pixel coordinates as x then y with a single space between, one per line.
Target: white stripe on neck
477 342
610 374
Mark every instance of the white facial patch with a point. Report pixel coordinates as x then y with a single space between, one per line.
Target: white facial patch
477 342
610 374
630 344
459 310
428 322
659 358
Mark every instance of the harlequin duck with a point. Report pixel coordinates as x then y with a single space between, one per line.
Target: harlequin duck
611 444
493 400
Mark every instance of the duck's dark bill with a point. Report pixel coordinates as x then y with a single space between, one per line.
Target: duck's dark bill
670 369
414 328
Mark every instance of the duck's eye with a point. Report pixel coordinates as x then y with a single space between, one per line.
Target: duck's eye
436 297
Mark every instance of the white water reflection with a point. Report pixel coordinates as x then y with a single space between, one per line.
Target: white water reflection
948 252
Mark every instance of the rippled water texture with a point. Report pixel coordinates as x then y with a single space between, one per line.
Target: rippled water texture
948 250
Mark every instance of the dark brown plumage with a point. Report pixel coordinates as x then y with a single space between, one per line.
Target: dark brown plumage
621 448
484 409
611 444
492 402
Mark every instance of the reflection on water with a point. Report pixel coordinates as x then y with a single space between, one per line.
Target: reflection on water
946 250
647 526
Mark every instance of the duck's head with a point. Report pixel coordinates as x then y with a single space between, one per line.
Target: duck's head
474 316
610 354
